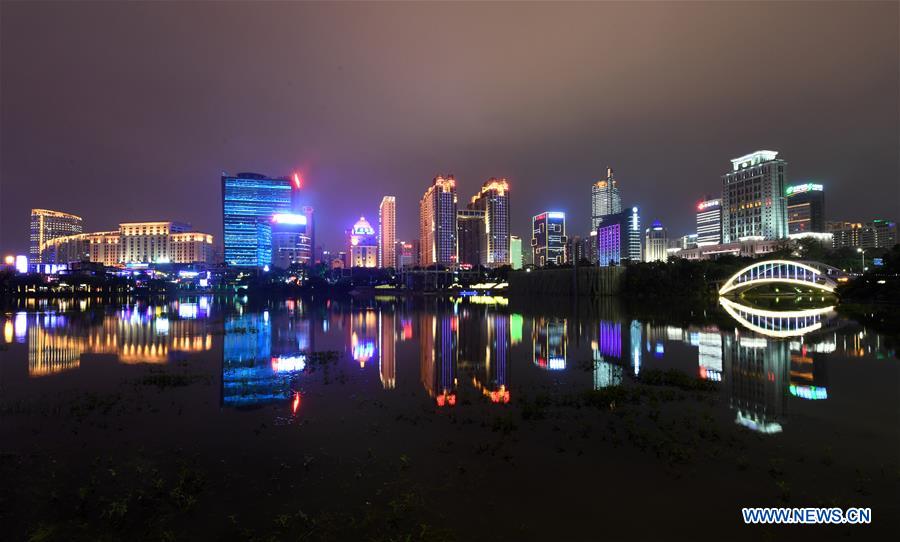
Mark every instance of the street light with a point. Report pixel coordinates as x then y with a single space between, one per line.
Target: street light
862 253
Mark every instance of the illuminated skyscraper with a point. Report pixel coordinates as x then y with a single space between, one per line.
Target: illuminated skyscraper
805 208
437 223
548 238
605 198
619 238
362 244
291 242
471 238
249 201
387 232
753 201
493 200
515 251
709 221
47 225
656 241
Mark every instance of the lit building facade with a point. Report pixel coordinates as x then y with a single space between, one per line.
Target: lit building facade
249 201
619 238
290 240
387 232
709 221
47 225
548 238
437 223
605 198
656 243
471 237
149 242
133 242
515 251
874 234
362 244
753 201
493 201
805 208
406 254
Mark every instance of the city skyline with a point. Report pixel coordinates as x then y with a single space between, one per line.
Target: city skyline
78 158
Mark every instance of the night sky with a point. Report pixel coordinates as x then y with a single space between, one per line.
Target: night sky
124 112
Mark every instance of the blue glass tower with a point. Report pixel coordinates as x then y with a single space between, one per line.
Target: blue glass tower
249 200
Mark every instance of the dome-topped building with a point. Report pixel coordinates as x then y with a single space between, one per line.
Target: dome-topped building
363 244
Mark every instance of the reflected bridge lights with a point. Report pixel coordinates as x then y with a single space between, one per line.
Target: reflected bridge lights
777 324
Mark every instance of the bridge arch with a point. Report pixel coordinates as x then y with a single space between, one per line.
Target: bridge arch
778 271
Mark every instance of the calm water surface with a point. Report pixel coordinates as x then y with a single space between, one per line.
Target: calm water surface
414 381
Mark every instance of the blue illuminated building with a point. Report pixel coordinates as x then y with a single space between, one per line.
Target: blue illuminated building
249 201
619 237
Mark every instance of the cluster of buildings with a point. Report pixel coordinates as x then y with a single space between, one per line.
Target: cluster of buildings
755 214
267 223
58 239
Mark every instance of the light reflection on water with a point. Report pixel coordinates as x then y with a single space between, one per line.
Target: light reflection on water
483 350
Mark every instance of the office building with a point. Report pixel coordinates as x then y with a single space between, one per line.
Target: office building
605 198
515 252
548 238
579 249
47 225
387 232
753 201
249 201
406 254
133 243
874 234
619 238
291 242
656 241
493 201
362 244
709 221
315 250
437 223
471 236
805 208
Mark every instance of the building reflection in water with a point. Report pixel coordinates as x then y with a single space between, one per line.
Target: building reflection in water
437 356
757 370
808 380
387 349
262 356
135 334
606 351
548 341
363 335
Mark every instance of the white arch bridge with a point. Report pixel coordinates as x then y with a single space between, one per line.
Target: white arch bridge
810 274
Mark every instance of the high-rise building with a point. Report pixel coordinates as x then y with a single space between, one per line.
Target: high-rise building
291 242
619 238
605 198
548 238
315 250
753 201
406 254
149 242
515 252
656 243
874 234
471 236
47 225
387 232
805 208
363 244
493 200
437 223
709 221
249 201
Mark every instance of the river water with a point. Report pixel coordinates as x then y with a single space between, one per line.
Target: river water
482 417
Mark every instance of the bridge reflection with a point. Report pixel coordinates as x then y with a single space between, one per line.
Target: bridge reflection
778 324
